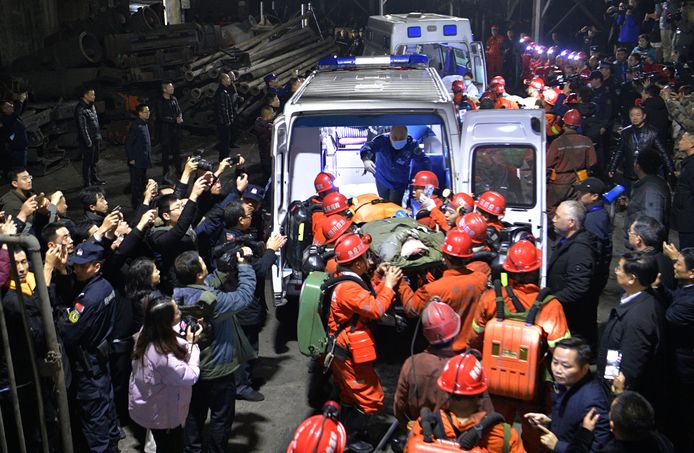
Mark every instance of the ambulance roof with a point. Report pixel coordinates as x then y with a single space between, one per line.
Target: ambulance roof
417 17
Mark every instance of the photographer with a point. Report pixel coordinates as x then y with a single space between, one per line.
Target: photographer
252 319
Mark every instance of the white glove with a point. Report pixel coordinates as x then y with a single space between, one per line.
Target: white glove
427 203
370 166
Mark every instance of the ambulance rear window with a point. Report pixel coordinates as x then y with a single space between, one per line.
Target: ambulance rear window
507 169
450 30
414 32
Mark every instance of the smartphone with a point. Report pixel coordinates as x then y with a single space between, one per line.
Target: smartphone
40 199
235 160
116 209
614 361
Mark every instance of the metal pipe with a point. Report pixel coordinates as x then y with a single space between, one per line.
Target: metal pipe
262 15
3 436
245 45
256 71
12 380
32 353
303 12
31 245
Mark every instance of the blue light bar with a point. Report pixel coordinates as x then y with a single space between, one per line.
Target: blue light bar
450 30
392 60
414 32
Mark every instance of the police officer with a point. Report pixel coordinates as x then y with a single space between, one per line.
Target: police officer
388 158
87 335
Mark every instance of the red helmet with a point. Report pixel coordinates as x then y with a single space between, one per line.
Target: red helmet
440 322
498 88
350 247
334 203
537 83
334 226
425 178
492 203
523 256
457 243
458 86
324 182
474 225
462 200
571 99
320 433
572 118
581 55
550 95
463 375
498 79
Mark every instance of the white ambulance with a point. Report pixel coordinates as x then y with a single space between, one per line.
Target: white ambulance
350 100
447 41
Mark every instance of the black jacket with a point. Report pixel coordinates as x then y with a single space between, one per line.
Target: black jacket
590 123
683 201
657 115
637 330
653 443
570 273
633 141
138 145
167 111
88 132
598 223
680 322
650 195
13 131
602 97
225 99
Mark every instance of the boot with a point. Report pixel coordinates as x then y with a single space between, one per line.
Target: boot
356 424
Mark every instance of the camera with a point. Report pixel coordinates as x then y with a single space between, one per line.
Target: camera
225 255
203 164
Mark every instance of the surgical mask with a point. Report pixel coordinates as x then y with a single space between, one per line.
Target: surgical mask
467 82
398 144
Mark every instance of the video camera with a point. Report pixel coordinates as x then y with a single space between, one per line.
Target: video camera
225 255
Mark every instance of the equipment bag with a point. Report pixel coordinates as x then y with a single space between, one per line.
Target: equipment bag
314 309
369 207
514 346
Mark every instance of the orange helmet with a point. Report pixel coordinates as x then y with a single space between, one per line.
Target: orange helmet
334 226
492 203
425 178
463 375
350 247
571 99
523 256
320 433
551 96
572 118
474 225
335 203
537 83
458 86
324 181
457 243
462 200
498 80
440 322
497 88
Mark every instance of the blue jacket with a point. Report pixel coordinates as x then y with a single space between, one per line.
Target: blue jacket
393 165
219 358
138 145
629 29
598 222
569 406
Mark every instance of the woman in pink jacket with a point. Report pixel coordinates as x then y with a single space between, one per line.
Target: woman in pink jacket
165 367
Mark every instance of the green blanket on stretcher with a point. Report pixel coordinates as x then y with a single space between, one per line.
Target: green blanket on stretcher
389 235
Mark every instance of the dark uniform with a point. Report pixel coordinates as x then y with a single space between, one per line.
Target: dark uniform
89 138
87 335
169 133
225 101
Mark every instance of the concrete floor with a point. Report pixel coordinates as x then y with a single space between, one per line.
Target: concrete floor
266 426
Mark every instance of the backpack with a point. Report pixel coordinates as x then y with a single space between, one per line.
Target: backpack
314 309
435 440
514 346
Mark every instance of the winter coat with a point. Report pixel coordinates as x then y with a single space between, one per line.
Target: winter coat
633 141
13 131
680 321
637 329
657 115
224 100
650 195
393 165
88 132
138 145
598 223
569 406
161 387
629 29
683 201
220 357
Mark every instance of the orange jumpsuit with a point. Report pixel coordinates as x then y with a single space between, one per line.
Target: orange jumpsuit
359 384
503 103
496 224
460 288
492 441
554 326
317 218
495 58
435 217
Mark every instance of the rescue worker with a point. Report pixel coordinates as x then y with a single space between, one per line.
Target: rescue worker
501 100
494 51
523 262
352 306
388 158
457 206
87 335
426 205
476 227
333 228
553 122
324 183
492 206
568 159
459 286
321 433
333 203
464 380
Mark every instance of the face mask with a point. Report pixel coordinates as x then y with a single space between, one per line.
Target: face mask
399 144
467 82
